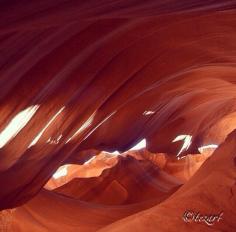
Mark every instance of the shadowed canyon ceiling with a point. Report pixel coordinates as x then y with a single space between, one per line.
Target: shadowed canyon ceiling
117 115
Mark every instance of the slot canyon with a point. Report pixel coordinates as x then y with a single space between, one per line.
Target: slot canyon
117 115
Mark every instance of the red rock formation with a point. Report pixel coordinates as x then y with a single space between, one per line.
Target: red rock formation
210 191
81 77
144 182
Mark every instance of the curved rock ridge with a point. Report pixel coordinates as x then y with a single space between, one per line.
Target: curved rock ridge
210 191
68 214
87 204
92 167
144 182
